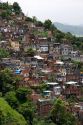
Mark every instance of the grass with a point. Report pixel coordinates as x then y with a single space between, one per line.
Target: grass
9 116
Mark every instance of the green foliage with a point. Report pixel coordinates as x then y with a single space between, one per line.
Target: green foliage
43 87
18 98
34 19
27 110
41 121
11 98
8 116
30 52
81 99
29 19
6 10
59 36
77 42
7 81
60 114
78 64
51 78
4 5
41 33
1 37
72 99
68 36
4 15
53 29
4 53
22 93
16 8
39 24
47 24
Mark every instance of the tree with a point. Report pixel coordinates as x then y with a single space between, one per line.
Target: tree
42 87
59 36
68 36
16 8
72 99
53 28
47 24
22 93
9 116
42 122
30 52
4 15
61 115
29 19
4 53
7 10
1 36
34 19
4 5
27 110
7 81
78 64
11 98
39 24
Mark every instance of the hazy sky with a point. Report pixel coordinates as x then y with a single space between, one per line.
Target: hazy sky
64 11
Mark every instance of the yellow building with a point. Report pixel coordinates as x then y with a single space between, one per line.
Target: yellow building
15 45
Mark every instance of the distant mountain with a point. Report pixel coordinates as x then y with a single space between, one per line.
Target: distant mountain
76 30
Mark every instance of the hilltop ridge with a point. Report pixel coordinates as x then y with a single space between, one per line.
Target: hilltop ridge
74 29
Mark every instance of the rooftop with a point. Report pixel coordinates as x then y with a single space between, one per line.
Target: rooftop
52 83
71 83
38 57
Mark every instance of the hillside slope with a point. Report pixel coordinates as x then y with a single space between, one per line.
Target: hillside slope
76 30
9 116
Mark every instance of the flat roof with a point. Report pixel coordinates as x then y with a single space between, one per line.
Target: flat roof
57 87
71 83
38 57
48 91
46 71
59 62
52 83
44 100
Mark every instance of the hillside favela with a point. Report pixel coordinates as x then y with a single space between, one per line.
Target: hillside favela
41 69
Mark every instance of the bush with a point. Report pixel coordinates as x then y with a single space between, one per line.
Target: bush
4 53
11 99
